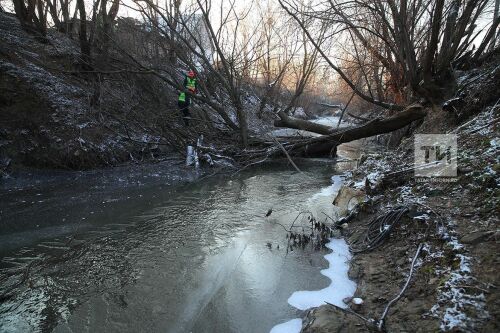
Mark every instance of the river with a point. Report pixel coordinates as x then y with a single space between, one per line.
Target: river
134 249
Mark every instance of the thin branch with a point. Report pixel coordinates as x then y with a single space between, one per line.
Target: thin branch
395 299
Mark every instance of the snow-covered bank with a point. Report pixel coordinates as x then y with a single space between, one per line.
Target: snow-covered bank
321 202
290 326
453 302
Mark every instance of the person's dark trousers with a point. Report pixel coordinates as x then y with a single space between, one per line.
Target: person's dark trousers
184 108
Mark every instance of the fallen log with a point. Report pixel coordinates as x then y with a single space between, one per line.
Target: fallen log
326 144
262 149
331 106
291 122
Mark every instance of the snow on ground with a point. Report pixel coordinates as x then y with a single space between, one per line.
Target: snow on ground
320 204
299 112
330 191
291 132
454 303
60 95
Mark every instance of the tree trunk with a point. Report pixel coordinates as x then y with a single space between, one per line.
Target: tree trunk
491 34
290 122
495 17
433 43
54 14
242 121
20 10
41 22
326 144
84 42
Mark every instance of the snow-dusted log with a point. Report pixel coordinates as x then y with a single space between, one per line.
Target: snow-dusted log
327 143
331 106
291 122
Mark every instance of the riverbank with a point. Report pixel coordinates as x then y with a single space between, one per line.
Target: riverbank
454 286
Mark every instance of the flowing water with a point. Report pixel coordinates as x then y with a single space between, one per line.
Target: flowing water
103 254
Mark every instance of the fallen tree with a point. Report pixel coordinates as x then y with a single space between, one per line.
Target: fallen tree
325 145
291 122
265 148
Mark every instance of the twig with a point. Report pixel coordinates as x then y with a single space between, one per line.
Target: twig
475 79
358 117
303 212
286 154
414 167
472 120
369 321
345 108
332 106
395 299
282 226
328 217
250 164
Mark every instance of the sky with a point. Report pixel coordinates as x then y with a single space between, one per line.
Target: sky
127 10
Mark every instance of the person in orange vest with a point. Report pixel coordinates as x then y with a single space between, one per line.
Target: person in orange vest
184 98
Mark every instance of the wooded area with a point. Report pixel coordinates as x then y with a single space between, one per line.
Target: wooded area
393 53
190 165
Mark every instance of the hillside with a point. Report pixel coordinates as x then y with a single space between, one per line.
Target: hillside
48 114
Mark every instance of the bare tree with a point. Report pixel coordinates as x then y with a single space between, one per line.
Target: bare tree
219 52
83 36
31 14
415 42
277 50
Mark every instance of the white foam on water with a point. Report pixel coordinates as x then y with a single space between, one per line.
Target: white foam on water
321 202
338 260
340 287
329 191
291 326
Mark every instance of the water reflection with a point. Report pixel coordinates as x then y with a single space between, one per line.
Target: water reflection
167 260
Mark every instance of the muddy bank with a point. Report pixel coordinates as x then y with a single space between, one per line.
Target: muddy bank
454 286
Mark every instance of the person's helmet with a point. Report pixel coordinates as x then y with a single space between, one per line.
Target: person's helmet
191 74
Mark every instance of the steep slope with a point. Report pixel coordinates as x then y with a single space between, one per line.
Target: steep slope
48 114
